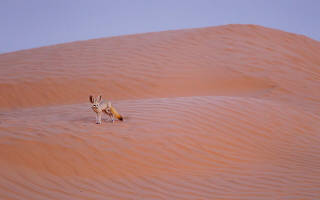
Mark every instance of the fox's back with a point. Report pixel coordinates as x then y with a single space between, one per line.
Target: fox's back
103 105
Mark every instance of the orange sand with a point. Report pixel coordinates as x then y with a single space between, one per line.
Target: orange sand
228 112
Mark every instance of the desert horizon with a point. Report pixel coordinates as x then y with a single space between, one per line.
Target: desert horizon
223 112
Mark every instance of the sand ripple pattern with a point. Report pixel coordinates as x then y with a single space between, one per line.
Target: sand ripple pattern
226 112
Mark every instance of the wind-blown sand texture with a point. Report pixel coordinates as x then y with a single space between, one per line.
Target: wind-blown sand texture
228 112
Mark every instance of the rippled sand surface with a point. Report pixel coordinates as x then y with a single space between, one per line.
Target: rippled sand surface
228 112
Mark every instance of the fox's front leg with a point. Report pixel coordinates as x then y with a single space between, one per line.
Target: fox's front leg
98 118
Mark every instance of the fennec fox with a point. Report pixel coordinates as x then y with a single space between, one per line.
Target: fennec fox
99 106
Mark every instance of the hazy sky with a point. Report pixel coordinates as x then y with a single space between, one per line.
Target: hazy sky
26 24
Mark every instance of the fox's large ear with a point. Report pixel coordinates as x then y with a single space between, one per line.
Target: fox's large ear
100 98
91 99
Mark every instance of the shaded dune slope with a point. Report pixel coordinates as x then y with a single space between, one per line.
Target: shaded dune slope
229 112
188 147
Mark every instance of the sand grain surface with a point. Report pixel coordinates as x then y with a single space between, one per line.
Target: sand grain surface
228 112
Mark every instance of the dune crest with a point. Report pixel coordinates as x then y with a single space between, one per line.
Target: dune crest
228 112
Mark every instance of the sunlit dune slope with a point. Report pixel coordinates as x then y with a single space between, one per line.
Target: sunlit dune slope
225 60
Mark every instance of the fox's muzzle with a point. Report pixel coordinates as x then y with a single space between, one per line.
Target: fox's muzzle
95 107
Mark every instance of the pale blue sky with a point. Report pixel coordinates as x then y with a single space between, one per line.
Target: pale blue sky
27 24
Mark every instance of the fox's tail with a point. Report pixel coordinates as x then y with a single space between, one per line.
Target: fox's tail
116 114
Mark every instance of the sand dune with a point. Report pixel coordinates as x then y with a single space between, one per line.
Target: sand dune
227 112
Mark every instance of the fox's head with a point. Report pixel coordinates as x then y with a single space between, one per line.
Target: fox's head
95 101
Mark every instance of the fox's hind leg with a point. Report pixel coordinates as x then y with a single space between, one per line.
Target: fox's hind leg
109 114
112 118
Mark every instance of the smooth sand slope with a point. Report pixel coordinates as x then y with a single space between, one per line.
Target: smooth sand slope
228 112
